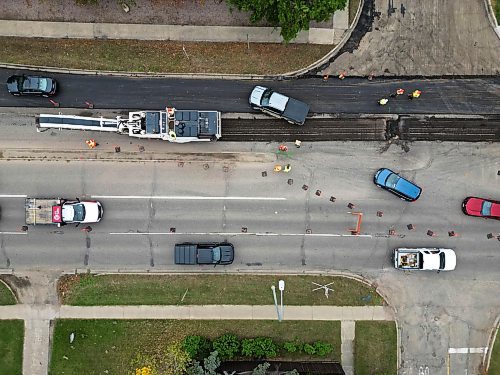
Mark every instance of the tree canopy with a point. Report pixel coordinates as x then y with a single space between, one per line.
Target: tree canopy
292 16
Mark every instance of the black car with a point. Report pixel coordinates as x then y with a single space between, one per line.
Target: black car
204 253
31 85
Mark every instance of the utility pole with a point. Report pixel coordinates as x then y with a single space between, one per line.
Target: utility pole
281 286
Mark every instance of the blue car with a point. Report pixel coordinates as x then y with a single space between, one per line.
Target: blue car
391 181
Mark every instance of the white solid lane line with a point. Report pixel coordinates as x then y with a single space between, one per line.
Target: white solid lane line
13 196
187 197
262 234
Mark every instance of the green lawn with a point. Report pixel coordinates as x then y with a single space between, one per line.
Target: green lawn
6 296
495 358
496 7
375 348
11 346
202 289
111 345
353 7
161 56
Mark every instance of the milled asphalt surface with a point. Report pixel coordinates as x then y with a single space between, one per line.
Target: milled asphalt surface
429 38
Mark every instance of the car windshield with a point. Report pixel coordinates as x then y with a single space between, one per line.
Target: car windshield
216 254
79 212
265 97
486 209
33 83
441 261
392 180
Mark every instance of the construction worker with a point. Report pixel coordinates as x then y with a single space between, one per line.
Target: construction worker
287 168
91 143
277 168
383 101
415 94
283 148
172 135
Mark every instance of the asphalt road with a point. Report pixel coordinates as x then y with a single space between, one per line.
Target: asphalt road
436 311
351 95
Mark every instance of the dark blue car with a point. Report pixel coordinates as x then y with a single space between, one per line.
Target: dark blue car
31 85
391 181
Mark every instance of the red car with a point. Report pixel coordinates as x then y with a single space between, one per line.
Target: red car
480 207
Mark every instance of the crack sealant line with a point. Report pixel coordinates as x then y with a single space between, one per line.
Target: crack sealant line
258 234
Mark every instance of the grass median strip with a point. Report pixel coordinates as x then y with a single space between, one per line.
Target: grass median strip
161 56
200 289
6 296
494 368
375 347
11 346
108 346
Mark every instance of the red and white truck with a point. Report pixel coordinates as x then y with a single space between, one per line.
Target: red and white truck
60 211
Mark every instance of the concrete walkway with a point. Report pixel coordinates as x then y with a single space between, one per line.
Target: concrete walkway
185 33
38 318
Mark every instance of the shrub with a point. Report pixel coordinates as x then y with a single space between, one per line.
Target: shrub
290 347
260 347
309 349
227 346
196 346
322 348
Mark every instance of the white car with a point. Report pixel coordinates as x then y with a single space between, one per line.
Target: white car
81 212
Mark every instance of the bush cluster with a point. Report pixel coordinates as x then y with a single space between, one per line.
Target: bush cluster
197 347
317 348
260 347
229 346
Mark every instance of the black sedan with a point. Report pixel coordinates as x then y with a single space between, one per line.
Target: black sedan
31 85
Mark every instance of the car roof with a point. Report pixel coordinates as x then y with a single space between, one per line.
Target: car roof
408 188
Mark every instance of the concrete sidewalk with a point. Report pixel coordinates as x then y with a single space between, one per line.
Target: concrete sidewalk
185 33
211 312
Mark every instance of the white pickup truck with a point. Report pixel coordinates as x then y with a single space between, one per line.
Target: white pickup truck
278 105
424 259
59 211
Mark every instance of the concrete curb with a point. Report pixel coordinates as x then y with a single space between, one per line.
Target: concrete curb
50 69
491 342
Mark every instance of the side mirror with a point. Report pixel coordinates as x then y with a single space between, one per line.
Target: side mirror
77 225
77 199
